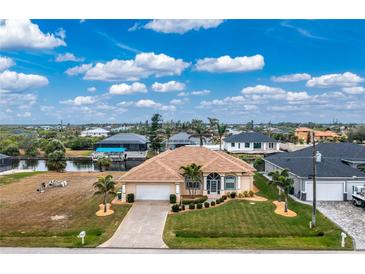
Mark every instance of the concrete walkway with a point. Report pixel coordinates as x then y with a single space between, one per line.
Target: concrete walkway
142 227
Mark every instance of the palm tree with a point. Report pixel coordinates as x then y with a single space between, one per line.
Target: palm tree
221 130
192 174
200 130
105 185
213 122
167 132
282 181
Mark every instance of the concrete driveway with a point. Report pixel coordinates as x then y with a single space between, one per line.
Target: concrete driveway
142 227
347 216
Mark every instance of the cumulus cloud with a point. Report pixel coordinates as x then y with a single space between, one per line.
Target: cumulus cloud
346 79
91 89
68 57
168 86
14 81
354 90
142 66
78 69
180 26
297 77
229 64
123 89
80 100
17 99
6 62
26 114
200 92
23 34
179 101
148 103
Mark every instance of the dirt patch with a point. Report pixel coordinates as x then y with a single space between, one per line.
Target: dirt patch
255 189
280 206
255 198
102 213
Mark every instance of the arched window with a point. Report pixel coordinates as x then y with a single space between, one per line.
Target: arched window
213 183
230 182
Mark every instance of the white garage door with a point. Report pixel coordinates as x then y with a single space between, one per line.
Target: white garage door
152 192
326 191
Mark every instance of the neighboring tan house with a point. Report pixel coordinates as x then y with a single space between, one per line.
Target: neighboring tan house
337 172
96 132
251 142
304 134
160 176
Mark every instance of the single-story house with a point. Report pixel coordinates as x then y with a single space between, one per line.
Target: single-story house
5 162
134 145
96 132
250 142
182 139
337 172
160 176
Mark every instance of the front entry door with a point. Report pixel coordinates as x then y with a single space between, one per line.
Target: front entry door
213 186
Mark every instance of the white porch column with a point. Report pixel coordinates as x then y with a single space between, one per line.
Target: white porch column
205 192
239 182
124 193
177 192
264 147
222 183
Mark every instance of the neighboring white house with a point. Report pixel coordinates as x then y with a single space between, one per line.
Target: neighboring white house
250 142
96 132
337 172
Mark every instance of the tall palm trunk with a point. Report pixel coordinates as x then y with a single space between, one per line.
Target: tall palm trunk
201 140
286 203
105 203
220 143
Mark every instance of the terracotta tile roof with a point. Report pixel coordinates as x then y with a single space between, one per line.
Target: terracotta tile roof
326 133
303 129
165 167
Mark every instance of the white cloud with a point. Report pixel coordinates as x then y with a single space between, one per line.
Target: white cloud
168 86
13 81
346 79
142 66
80 100
46 108
148 103
180 25
297 96
354 90
26 114
228 64
78 69
68 57
200 92
179 101
123 89
18 99
264 91
125 103
91 89
6 62
297 77
23 34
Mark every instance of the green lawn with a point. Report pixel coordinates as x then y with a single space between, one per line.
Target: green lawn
238 224
7 179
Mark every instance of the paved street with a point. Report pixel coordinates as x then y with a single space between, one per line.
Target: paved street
349 217
142 227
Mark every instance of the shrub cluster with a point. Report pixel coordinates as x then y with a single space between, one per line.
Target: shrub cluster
218 201
233 195
251 193
191 206
212 203
130 198
224 197
182 207
199 206
172 198
206 204
175 208
194 201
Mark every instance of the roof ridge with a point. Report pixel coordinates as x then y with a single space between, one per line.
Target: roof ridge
211 161
171 171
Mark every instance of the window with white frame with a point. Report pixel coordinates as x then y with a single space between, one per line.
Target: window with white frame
230 182
247 145
233 144
271 145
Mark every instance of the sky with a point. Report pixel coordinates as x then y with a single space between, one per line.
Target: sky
123 71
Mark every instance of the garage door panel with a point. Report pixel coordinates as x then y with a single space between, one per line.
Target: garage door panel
152 192
329 191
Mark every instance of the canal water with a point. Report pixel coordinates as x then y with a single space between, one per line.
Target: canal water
73 165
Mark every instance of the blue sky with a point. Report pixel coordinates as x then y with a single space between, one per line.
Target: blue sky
236 70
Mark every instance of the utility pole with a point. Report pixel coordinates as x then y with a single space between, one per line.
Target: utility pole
314 208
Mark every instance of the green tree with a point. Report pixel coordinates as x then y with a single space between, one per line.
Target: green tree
283 182
193 177
53 146
200 131
11 150
167 130
104 186
221 130
155 138
259 164
103 163
56 161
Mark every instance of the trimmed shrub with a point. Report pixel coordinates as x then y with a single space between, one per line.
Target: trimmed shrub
192 206
212 203
240 195
222 200
224 197
245 193
175 208
199 206
206 204
218 201
172 198
233 195
194 201
182 207
130 198
251 193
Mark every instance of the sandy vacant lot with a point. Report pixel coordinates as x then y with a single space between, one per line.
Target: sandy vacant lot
25 211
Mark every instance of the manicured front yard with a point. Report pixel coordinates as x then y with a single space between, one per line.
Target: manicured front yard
239 224
56 217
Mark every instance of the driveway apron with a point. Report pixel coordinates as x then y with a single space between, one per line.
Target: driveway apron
142 227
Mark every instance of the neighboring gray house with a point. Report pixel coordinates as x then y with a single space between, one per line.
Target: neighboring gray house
182 139
250 142
5 162
135 145
337 173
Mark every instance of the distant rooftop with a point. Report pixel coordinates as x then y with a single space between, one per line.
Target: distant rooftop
3 156
126 138
249 137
